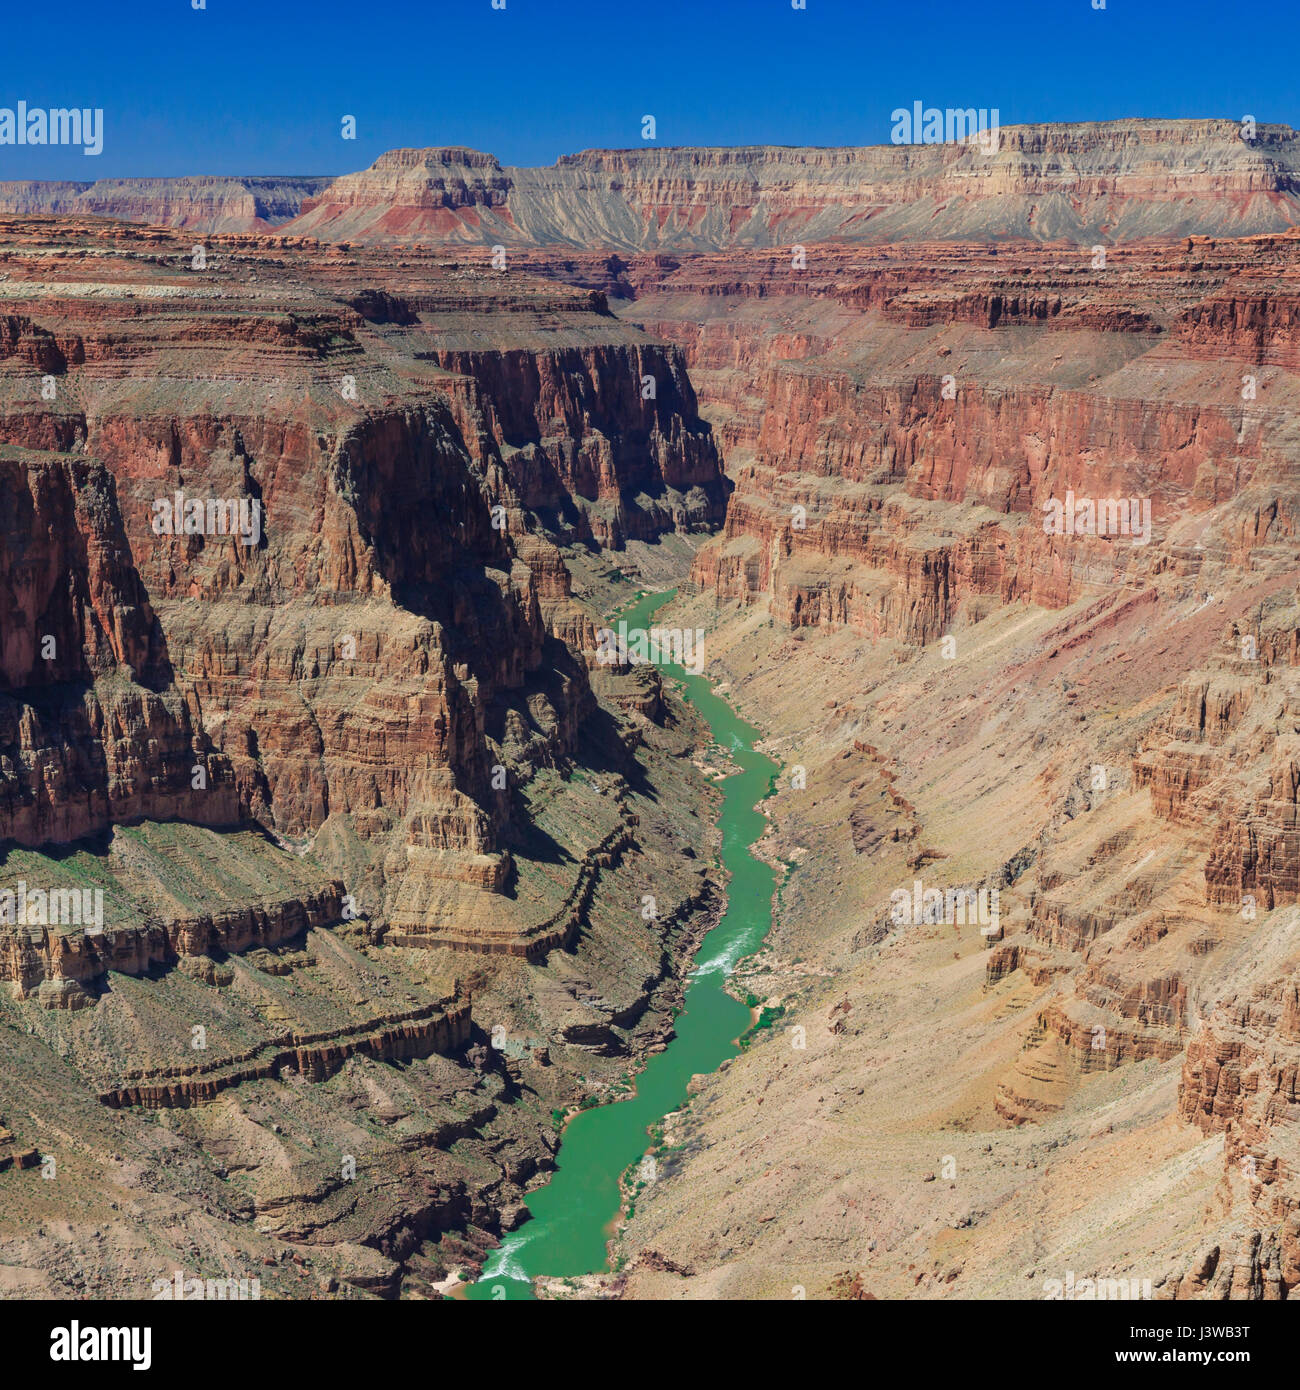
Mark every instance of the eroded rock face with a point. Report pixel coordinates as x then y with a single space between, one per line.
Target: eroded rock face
387 629
201 204
1240 1079
92 727
893 452
894 421
1106 181
330 758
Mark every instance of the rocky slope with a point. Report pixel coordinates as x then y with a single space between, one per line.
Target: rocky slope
295 710
1108 182
1097 725
216 204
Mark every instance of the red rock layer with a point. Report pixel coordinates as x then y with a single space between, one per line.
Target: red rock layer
415 439
1098 182
1108 182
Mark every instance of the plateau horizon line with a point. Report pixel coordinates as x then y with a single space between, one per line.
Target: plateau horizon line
1273 130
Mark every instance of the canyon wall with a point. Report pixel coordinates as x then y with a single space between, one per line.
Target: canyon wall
411 446
1109 182
387 679
894 421
299 712
216 204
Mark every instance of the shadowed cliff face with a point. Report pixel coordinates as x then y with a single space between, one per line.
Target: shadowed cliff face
299 748
402 468
92 728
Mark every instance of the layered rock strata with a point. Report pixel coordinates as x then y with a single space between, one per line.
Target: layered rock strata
1097 724
1087 183
298 708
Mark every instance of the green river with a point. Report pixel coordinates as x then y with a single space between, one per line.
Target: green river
572 1216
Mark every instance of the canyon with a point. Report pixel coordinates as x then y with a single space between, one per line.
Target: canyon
1099 729
351 793
362 791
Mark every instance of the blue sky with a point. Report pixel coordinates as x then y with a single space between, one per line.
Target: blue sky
261 86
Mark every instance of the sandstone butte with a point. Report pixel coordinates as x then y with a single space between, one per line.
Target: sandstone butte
280 760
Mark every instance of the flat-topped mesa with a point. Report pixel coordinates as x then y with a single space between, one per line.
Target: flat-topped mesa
215 203
1100 181
429 195
1085 141
435 156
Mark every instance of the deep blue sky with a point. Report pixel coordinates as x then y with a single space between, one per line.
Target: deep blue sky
260 86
